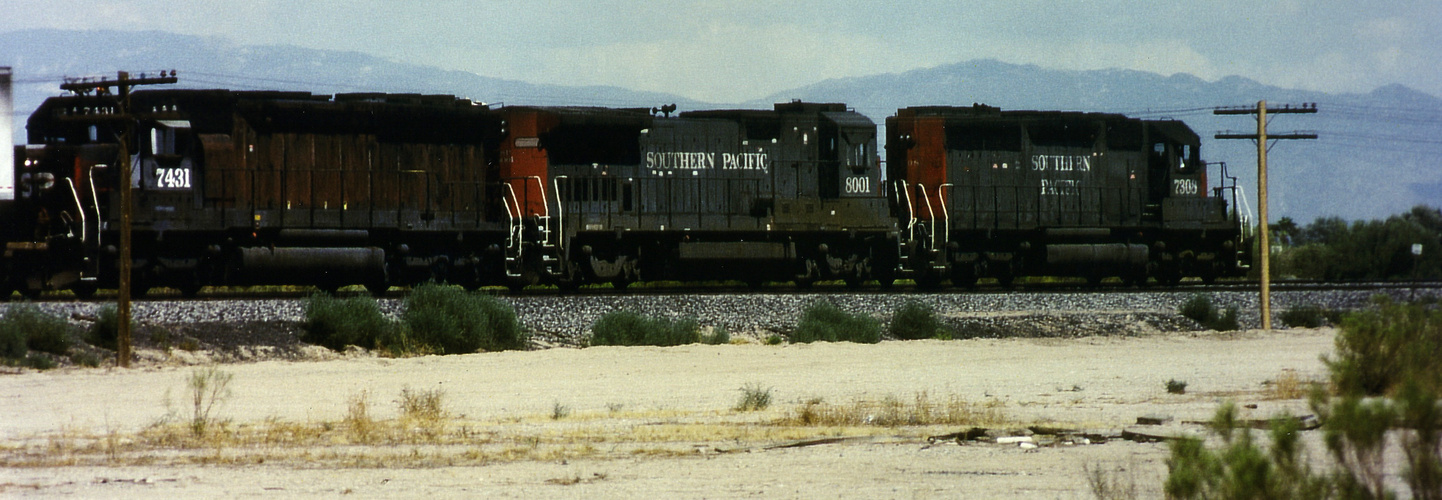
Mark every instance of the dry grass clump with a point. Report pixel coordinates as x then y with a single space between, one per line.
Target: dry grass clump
892 411
1289 385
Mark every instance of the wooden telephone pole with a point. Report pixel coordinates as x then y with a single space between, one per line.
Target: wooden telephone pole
1261 138
122 84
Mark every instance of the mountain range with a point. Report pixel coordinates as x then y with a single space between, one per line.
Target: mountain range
1375 154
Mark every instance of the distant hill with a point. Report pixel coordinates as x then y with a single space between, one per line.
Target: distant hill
216 63
1376 155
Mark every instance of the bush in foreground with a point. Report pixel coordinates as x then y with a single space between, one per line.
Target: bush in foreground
1378 348
913 321
823 321
451 320
629 328
1385 351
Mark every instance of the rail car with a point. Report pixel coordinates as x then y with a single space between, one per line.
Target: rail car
983 192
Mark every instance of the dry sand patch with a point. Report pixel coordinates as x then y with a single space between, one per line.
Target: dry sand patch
610 392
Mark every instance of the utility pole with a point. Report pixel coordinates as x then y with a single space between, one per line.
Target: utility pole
1261 138
122 84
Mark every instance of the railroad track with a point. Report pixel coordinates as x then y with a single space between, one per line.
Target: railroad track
681 289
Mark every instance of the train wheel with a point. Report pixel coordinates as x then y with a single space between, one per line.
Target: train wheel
378 290
84 289
190 290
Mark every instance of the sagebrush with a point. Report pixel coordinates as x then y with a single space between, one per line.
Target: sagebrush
451 320
630 328
914 320
823 321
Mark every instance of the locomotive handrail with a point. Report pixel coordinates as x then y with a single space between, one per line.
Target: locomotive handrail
945 214
95 202
910 212
560 208
80 209
930 214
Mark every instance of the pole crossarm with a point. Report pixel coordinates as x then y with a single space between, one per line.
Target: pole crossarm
1270 136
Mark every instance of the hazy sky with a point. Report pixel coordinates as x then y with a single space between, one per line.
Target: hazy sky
727 51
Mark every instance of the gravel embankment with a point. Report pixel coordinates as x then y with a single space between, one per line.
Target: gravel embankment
566 320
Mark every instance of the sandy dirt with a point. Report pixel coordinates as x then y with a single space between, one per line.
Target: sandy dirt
652 421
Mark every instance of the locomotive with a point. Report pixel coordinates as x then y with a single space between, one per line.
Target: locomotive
989 193
290 188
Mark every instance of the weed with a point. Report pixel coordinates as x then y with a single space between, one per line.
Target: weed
891 411
629 328
1176 386
85 358
718 336
823 321
358 419
209 388
1288 385
25 326
422 405
775 339
560 411
754 398
914 320
105 332
1303 317
1117 483
1200 309
337 323
37 361
450 320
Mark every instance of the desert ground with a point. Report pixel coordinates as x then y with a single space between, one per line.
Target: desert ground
612 422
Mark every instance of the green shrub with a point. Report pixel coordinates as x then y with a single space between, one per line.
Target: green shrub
450 320
914 320
1378 348
34 329
823 321
629 328
1242 468
754 398
1175 386
337 323
105 332
718 336
12 339
1200 309
1303 317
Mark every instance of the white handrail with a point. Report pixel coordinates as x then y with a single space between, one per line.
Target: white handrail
95 200
80 209
945 214
930 214
910 212
560 208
